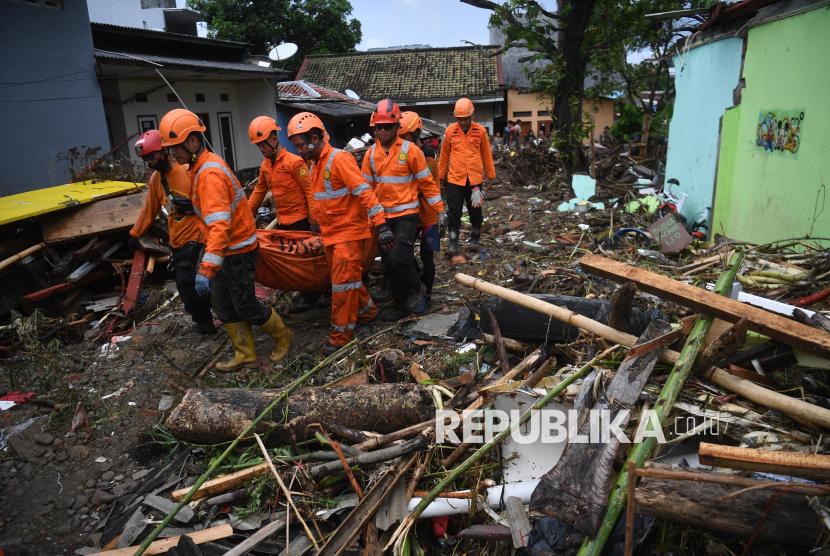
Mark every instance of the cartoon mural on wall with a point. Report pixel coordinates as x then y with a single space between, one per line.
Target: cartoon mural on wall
779 131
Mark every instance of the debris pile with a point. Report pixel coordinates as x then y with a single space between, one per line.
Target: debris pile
429 435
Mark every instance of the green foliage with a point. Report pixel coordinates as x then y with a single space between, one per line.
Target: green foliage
315 26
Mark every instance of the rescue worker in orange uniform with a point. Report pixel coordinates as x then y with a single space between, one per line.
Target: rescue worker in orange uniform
466 160
345 206
410 130
169 186
287 176
227 269
399 174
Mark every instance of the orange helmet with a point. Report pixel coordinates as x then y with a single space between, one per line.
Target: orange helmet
387 112
303 122
372 120
261 128
464 108
177 124
410 121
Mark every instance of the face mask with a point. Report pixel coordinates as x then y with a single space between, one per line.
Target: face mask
160 165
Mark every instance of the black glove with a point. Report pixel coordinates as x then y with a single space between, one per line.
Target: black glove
386 239
133 244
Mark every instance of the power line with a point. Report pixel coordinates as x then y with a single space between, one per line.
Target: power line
48 99
13 84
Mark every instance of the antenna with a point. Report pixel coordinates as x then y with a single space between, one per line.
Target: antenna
283 51
352 94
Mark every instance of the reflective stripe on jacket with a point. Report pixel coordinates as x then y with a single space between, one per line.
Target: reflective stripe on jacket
399 176
465 156
345 202
220 202
182 227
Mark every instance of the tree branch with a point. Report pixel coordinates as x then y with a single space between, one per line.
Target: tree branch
483 4
542 10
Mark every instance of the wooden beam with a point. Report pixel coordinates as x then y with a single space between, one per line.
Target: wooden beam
223 483
766 323
805 466
199 537
134 285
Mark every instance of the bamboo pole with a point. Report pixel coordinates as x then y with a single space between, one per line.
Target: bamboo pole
671 390
403 529
148 541
22 255
747 389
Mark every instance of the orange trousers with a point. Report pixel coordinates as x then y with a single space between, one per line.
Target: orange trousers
350 302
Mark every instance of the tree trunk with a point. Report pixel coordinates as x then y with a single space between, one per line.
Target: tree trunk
790 519
576 489
214 415
575 16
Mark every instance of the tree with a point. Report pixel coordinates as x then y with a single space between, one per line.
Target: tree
315 26
584 34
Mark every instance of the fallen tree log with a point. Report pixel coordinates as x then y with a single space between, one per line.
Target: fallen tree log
215 415
790 519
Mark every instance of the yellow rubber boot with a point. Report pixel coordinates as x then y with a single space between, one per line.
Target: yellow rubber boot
281 334
242 338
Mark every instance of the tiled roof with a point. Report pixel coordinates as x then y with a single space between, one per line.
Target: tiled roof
302 95
412 75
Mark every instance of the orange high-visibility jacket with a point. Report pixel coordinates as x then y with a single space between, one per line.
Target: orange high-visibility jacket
345 202
466 156
427 216
221 203
290 182
398 178
183 227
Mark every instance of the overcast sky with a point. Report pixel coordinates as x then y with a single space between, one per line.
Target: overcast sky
434 22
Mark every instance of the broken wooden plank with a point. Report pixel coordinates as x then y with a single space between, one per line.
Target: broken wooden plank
152 245
215 415
724 345
806 466
158 547
790 519
509 343
769 324
87 267
134 284
519 524
419 375
357 518
257 538
224 483
95 219
656 343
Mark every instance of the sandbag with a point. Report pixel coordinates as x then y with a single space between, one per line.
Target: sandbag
295 261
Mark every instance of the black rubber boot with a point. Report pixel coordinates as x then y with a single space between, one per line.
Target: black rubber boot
204 328
385 291
308 301
453 250
475 236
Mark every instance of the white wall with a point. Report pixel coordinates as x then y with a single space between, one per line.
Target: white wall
125 12
246 100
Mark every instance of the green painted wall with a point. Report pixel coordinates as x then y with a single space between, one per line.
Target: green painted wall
763 196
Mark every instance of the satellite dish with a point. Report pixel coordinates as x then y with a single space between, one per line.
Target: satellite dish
352 94
283 51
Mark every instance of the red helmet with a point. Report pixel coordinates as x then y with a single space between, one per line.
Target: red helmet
149 142
387 112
